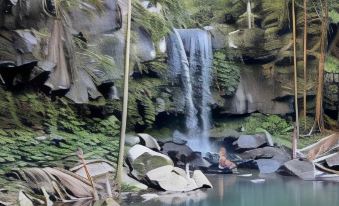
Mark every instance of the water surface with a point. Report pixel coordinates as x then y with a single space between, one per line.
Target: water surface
231 190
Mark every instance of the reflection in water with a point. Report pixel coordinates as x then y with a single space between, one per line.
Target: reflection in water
230 190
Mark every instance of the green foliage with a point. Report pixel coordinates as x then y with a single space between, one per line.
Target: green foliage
334 16
175 13
227 74
141 104
274 124
332 64
154 23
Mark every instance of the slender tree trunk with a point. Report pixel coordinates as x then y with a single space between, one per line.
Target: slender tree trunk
319 119
305 63
125 100
295 70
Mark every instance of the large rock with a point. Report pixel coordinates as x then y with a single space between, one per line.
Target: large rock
267 166
219 34
144 46
265 96
126 179
267 153
333 161
268 159
303 169
175 179
250 141
149 141
179 153
143 160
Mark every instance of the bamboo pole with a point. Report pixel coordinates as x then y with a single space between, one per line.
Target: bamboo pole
295 70
305 64
319 120
125 99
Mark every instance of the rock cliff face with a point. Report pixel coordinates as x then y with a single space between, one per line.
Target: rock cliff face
72 57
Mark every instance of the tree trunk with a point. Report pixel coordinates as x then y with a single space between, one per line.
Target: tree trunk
125 100
319 119
305 62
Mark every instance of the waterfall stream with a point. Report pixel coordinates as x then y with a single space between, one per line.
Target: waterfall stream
249 14
190 60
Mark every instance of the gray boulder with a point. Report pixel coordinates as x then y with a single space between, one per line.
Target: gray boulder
149 141
267 166
142 160
178 152
250 141
333 160
175 179
303 169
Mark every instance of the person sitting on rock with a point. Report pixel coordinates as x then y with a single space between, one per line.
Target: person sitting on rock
225 163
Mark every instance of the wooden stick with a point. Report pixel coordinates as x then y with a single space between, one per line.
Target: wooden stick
295 69
305 63
125 100
89 177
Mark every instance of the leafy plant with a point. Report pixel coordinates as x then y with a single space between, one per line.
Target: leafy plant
226 73
274 124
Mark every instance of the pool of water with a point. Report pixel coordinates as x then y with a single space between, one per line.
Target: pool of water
232 190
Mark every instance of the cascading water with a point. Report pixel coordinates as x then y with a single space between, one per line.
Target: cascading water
190 60
249 14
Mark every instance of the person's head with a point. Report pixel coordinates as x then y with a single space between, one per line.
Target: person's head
222 151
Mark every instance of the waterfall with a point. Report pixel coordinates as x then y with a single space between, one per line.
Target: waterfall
190 60
249 14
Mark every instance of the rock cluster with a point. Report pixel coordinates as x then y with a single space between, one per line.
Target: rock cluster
149 164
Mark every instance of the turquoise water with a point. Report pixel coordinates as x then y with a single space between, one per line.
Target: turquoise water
231 190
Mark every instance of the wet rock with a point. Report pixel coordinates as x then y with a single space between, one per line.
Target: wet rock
274 153
143 160
303 169
201 180
149 141
145 49
250 141
219 35
126 179
333 161
199 162
267 166
253 95
175 179
170 180
132 140
179 153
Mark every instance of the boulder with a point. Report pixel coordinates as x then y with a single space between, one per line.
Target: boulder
174 179
132 140
219 34
264 96
199 162
250 141
144 46
170 180
142 160
333 161
303 169
267 166
149 141
274 153
201 180
126 179
179 153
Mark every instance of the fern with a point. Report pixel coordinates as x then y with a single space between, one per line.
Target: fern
227 74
